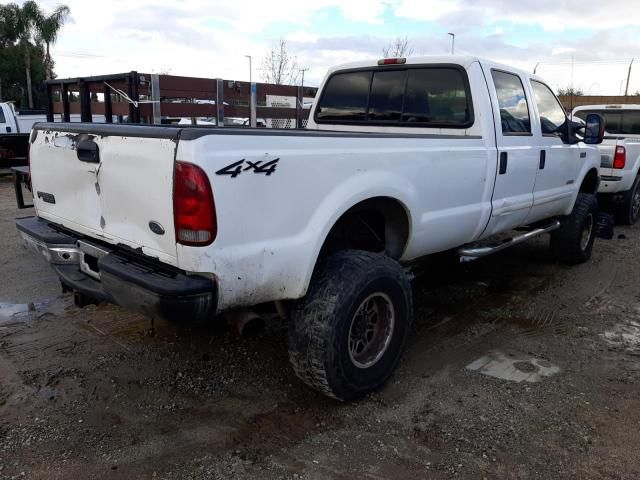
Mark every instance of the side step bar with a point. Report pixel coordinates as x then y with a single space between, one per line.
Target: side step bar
472 252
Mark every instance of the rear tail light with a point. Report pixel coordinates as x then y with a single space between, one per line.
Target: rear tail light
194 212
620 158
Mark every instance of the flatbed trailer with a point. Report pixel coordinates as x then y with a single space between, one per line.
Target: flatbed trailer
140 98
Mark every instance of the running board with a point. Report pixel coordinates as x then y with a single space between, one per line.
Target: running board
470 252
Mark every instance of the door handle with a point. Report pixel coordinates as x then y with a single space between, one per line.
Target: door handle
503 163
88 151
543 159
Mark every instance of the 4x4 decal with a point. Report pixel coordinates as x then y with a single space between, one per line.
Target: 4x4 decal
244 165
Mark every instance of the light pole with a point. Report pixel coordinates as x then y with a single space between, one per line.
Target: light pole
252 100
626 90
250 69
303 70
453 42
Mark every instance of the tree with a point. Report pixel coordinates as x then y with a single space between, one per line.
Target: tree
48 27
570 91
278 66
26 19
399 47
8 24
24 64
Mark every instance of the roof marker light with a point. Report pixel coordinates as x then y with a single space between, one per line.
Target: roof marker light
392 61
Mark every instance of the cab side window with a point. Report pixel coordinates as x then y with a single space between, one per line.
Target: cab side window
552 115
345 97
514 110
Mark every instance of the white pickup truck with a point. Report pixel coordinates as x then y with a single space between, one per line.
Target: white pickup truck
620 158
402 158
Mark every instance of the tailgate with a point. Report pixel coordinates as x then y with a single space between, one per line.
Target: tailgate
108 182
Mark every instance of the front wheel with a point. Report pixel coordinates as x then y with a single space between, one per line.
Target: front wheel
572 243
347 334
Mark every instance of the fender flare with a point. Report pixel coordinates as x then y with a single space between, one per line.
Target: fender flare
356 189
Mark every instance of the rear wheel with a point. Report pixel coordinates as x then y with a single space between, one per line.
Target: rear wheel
628 211
572 243
347 334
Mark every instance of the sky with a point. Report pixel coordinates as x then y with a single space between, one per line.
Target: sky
585 43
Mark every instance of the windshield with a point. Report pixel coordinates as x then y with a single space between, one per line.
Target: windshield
617 122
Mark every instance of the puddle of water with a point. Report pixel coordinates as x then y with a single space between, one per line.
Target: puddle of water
15 311
46 393
513 369
539 322
625 335
24 312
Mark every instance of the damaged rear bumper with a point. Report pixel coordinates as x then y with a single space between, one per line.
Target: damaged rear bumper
108 274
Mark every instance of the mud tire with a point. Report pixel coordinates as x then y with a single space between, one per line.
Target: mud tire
320 328
569 243
628 211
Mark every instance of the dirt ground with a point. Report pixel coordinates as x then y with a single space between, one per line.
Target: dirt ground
518 368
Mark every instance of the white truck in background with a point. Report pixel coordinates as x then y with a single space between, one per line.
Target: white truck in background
401 158
620 158
14 142
14 134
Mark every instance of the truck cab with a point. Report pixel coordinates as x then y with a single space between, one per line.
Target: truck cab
8 118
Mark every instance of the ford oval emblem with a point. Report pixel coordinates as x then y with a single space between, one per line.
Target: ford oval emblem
156 228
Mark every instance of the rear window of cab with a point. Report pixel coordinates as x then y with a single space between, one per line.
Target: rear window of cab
434 96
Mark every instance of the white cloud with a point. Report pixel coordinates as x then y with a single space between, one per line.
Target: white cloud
549 14
210 38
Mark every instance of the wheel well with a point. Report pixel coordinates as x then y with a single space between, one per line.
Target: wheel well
590 182
378 224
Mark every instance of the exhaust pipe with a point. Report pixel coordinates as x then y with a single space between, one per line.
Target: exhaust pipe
246 323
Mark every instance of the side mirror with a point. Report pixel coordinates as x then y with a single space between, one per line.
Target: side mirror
594 129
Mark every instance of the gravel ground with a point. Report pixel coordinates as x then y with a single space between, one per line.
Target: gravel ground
518 368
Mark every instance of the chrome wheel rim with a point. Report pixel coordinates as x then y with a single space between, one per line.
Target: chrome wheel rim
371 330
586 232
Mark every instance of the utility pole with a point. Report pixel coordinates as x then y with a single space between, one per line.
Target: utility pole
453 42
626 90
303 70
252 100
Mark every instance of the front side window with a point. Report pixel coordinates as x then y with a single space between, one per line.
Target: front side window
2 119
345 97
552 115
514 111
435 97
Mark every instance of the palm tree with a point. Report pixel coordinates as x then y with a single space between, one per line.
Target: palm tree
48 27
27 17
8 21
8 33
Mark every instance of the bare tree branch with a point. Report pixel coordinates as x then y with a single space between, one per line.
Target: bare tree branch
278 66
399 47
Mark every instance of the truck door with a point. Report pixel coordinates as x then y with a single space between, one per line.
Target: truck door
6 119
558 163
517 156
